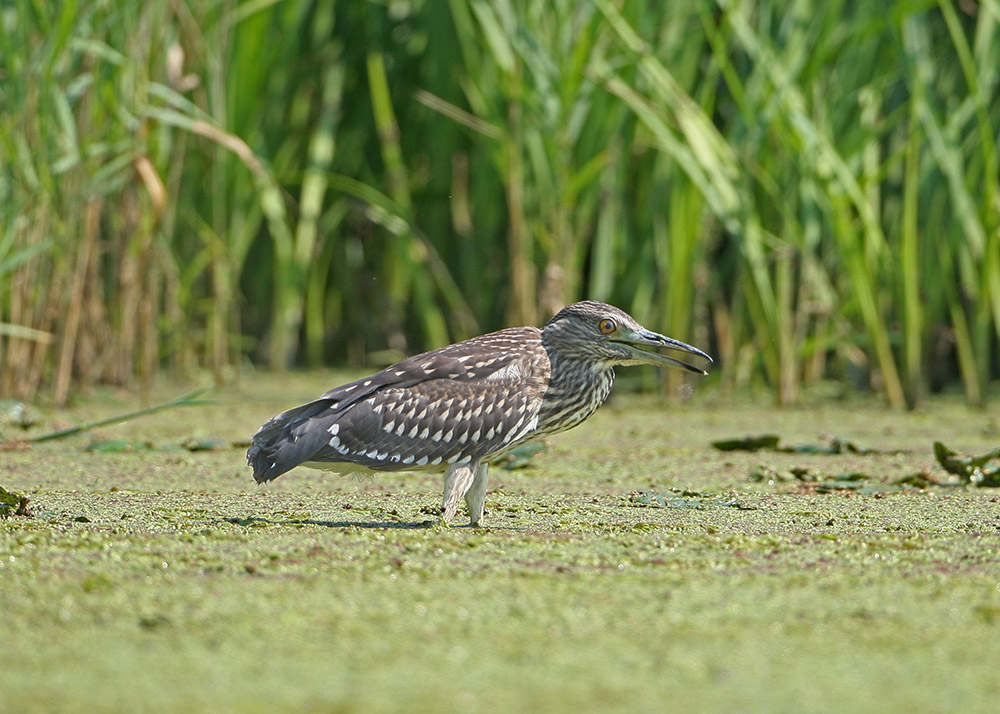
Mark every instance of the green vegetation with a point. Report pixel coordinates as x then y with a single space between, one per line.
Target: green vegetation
808 189
632 567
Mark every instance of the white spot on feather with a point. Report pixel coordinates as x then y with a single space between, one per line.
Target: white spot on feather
437 435
335 429
422 461
511 371
389 427
413 431
530 427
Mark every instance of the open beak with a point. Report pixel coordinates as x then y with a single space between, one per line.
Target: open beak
647 338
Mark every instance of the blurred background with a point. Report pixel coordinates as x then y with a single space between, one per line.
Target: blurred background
806 189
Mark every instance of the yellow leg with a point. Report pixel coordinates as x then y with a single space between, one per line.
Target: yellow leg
457 482
475 497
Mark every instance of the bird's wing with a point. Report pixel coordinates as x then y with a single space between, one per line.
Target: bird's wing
458 403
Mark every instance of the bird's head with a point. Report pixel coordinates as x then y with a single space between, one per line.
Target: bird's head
608 337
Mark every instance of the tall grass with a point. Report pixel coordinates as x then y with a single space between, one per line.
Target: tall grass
810 189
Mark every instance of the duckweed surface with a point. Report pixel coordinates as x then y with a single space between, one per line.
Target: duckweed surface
630 567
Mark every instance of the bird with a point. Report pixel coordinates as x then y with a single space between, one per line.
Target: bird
460 407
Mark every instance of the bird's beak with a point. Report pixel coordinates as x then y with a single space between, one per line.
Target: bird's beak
652 339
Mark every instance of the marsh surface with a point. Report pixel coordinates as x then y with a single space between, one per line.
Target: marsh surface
631 567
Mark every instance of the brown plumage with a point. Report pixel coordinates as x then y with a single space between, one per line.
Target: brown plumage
460 406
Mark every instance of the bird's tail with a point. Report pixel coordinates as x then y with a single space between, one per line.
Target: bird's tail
282 444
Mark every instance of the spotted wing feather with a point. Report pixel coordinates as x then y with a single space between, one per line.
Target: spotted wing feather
459 403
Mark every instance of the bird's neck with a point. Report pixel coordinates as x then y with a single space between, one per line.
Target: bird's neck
576 389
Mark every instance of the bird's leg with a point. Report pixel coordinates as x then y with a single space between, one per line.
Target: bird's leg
475 497
457 481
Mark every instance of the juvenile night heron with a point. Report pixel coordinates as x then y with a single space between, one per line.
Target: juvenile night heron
460 406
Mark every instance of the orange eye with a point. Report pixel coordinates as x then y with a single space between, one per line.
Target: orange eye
607 326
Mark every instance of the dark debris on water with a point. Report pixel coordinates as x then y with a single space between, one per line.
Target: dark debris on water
13 504
970 469
829 444
821 482
981 471
688 499
117 446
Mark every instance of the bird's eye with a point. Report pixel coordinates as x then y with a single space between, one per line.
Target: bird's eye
607 326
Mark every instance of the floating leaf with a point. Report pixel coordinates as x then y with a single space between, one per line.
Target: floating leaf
920 479
117 446
970 469
766 473
193 443
852 476
748 443
805 474
688 499
820 482
154 621
769 442
832 445
12 504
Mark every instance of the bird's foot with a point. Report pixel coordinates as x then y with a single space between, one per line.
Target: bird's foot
444 522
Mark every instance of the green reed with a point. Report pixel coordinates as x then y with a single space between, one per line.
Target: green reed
810 190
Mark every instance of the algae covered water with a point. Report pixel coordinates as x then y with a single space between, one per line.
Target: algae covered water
630 566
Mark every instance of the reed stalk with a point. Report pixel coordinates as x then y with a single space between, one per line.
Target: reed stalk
809 189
